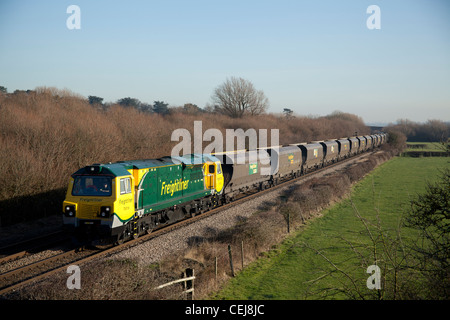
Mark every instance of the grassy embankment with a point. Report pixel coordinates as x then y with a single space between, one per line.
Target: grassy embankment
328 258
424 149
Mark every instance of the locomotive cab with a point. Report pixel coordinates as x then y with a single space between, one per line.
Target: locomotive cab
98 198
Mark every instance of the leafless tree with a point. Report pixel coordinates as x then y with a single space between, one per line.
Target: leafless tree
237 97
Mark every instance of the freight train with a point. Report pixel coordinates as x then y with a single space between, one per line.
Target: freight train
123 200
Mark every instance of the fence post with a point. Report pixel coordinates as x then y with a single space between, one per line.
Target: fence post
231 260
216 268
190 283
242 254
289 223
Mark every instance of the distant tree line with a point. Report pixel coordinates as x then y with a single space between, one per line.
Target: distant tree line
128 102
4 90
236 97
432 130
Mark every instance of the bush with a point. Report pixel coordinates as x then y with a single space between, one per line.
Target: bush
430 214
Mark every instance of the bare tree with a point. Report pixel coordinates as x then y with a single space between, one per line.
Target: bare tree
237 96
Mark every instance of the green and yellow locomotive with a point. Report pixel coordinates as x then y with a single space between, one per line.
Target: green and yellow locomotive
126 199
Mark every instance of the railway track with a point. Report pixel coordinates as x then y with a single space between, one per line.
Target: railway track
27 247
13 279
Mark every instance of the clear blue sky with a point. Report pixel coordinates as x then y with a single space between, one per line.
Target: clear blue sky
313 57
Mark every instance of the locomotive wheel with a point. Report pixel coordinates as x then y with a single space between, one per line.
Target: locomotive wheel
120 239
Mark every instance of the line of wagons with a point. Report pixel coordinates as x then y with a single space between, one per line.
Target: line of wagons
242 173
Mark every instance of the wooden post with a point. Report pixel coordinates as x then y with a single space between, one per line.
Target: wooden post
190 283
231 260
242 254
216 268
289 223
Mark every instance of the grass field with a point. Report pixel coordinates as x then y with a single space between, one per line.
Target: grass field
328 258
424 146
424 149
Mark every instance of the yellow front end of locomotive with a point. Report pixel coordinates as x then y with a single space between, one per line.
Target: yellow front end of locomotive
99 200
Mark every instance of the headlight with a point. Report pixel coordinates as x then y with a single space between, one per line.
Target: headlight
105 212
69 211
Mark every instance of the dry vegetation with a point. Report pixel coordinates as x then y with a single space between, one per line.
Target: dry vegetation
432 130
47 134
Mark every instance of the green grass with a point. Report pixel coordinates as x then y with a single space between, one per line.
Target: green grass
424 146
290 271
